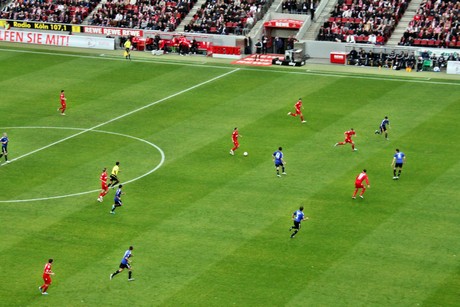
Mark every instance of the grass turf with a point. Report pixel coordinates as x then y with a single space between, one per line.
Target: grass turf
210 229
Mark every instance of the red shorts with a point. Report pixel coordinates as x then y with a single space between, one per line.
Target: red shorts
47 279
63 104
348 141
297 111
236 143
359 185
104 186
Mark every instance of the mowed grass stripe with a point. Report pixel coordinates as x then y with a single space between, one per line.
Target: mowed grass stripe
195 178
403 259
350 181
240 186
252 271
25 244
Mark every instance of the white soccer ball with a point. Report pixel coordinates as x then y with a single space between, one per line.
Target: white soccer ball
245 153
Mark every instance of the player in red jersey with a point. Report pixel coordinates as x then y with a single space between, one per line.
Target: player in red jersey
348 134
236 144
46 277
298 106
63 103
104 186
359 184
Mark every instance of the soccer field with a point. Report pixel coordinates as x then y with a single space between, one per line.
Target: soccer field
211 229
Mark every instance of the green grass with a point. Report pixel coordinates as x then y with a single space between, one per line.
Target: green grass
210 229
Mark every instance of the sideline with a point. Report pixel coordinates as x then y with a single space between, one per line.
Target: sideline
310 68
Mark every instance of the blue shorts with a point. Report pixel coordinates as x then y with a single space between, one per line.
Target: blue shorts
117 201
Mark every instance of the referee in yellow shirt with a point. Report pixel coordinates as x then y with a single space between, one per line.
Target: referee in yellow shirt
114 175
127 46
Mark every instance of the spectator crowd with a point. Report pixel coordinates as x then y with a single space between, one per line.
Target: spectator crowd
60 11
142 14
363 21
227 16
436 24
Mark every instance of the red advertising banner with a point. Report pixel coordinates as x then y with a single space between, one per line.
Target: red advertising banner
112 31
284 23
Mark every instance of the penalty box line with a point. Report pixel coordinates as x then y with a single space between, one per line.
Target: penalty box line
125 115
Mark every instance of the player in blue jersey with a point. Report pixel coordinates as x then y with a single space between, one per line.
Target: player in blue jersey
298 216
4 140
384 126
279 161
125 264
117 199
399 159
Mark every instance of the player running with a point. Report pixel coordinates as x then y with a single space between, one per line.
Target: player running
125 264
236 144
117 199
279 161
359 184
4 140
298 111
298 216
104 186
383 128
63 103
114 175
348 134
46 277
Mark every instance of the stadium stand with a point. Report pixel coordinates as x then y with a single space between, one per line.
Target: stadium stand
142 14
227 16
359 20
436 24
59 11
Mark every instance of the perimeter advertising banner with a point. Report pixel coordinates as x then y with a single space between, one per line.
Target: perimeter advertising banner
42 26
284 23
112 31
55 39
453 67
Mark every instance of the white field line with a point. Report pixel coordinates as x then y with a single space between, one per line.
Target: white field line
295 72
97 190
123 115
